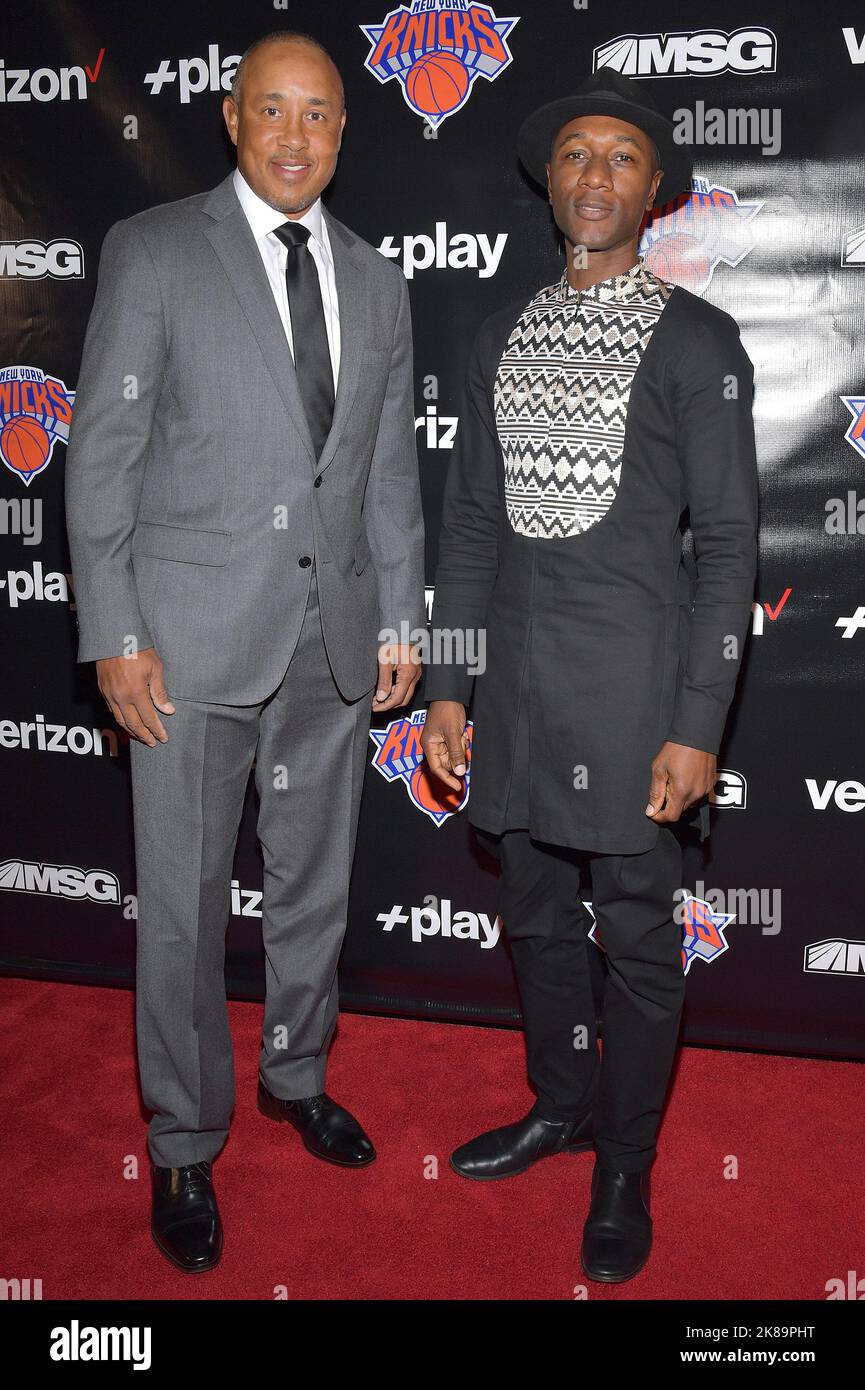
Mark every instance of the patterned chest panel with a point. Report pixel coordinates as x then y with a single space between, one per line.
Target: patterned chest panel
561 399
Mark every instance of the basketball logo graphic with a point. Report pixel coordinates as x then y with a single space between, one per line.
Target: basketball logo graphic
35 411
702 930
437 82
399 758
685 241
679 258
855 433
435 49
25 444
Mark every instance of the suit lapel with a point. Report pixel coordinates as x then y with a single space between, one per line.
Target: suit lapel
231 237
232 240
352 329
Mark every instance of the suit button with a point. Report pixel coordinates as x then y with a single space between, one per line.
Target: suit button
317 482
304 562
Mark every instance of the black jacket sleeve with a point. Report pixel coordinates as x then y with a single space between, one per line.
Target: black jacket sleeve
468 542
710 385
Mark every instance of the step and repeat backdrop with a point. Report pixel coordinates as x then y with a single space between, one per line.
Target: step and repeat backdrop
106 109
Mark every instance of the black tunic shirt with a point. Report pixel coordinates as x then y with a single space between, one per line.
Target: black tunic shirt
591 420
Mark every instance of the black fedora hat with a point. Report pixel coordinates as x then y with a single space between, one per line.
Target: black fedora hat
607 93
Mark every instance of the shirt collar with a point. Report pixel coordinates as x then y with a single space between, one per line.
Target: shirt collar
264 219
616 287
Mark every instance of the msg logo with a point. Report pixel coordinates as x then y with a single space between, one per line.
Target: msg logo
60 880
60 259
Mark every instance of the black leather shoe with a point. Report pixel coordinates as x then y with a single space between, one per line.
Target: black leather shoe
617 1236
326 1129
185 1221
502 1153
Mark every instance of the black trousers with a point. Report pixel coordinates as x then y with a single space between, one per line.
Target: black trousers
642 994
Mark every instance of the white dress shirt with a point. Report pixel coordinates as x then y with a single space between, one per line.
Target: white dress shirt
262 218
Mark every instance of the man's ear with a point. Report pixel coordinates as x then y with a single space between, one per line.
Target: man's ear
229 113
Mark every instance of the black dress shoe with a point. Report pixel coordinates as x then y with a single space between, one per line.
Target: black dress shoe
185 1221
617 1236
502 1153
326 1129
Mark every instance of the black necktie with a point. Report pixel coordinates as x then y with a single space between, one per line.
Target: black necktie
308 332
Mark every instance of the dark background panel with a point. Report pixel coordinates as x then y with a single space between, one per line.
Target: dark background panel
69 171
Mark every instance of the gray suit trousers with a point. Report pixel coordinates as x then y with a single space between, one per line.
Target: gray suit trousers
309 746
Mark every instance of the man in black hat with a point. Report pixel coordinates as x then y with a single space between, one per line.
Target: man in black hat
594 416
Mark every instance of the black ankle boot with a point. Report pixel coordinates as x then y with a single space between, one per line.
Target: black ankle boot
502 1153
185 1221
617 1236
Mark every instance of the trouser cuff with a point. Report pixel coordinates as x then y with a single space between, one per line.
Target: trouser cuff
624 1163
558 1115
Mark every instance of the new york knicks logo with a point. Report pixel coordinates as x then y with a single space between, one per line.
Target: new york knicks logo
436 49
855 434
35 411
399 758
685 241
702 930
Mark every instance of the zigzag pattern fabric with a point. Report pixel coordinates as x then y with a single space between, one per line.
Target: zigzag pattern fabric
561 398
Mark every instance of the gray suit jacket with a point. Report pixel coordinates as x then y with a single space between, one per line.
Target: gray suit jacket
193 496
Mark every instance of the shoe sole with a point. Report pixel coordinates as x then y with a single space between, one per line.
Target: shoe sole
613 1278
515 1172
280 1119
186 1269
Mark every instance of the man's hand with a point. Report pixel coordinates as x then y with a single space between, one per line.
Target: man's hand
444 742
399 671
131 686
680 776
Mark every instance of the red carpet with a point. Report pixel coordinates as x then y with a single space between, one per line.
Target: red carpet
72 1123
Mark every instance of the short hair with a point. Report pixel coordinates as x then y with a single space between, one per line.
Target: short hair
279 36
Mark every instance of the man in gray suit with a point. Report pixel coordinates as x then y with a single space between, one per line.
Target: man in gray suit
245 525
